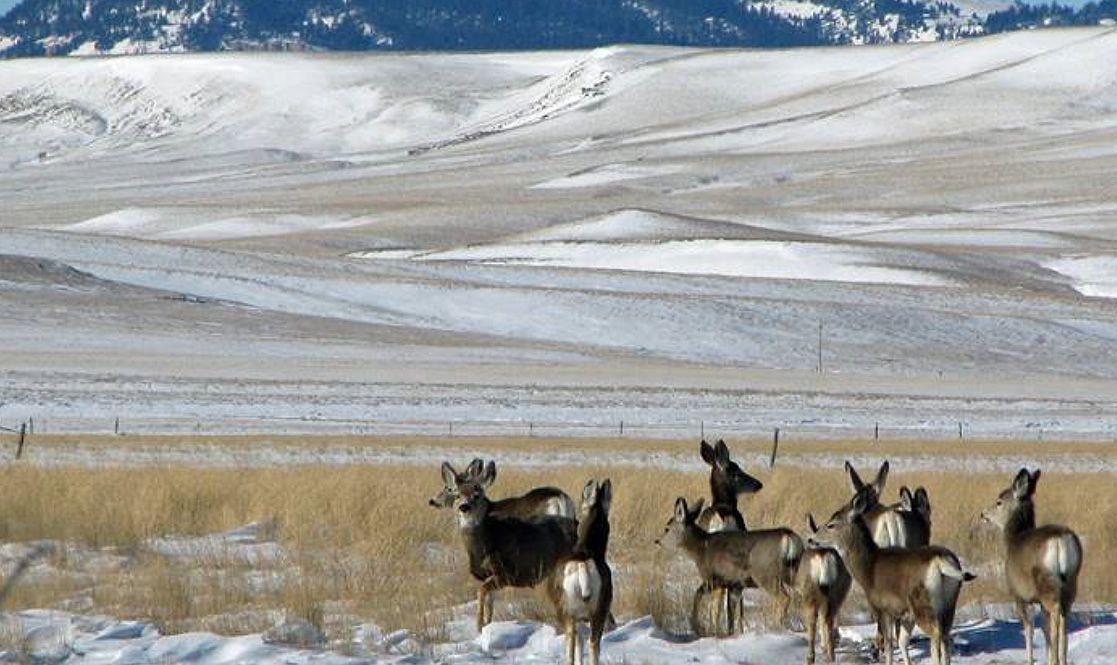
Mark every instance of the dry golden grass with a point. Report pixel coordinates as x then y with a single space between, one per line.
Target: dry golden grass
790 444
360 541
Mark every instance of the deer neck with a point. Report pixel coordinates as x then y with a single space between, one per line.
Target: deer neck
1020 521
694 541
861 552
593 536
721 491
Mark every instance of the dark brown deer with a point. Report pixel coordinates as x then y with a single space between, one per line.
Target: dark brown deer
717 611
581 585
917 586
728 481
505 551
822 584
538 502
1041 564
915 513
764 558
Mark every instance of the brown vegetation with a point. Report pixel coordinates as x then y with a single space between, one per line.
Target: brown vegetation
360 542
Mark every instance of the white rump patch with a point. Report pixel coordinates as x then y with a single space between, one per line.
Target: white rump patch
824 568
1061 557
581 589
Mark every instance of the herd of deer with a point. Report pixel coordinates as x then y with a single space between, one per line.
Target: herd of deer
542 538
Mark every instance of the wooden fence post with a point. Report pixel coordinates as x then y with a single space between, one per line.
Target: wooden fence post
775 448
22 440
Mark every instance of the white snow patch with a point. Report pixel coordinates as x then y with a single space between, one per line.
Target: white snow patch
766 259
201 224
1090 275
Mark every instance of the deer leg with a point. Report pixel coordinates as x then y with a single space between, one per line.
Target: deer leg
1027 621
571 642
1051 649
812 626
738 611
482 597
1064 617
485 602
904 631
829 632
597 627
884 627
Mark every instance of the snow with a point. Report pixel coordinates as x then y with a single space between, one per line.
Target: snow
198 224
57 636
390 242
758 259
1091 275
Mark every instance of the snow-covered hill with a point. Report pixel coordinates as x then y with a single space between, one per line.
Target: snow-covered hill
573 237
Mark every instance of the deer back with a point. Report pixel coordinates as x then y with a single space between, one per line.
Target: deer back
519 553
539 502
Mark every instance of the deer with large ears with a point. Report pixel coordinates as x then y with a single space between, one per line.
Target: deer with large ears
728 481
765 558
717 610
1041 564
917 586
822 584
538 502
581 585
887 524
915 512
504 551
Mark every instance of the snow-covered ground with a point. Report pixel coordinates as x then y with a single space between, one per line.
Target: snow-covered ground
292 242
56 637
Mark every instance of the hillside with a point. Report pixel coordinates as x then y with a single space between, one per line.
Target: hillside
576 237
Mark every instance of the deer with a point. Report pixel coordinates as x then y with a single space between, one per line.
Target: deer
764 558
504 551
891 525
538 502
822 583
887 523
909 586
728 481
1041 564
581 585
915 513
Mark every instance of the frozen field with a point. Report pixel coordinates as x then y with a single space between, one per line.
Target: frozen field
389 243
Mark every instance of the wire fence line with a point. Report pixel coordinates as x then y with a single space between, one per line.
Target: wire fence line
941 429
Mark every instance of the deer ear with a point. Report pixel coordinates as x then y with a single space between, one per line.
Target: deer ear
1033 481
589 491
811 523
861 503
489 475
1021 484
696 509
449 476
707 452
881 479
605 494
680 510
906 501
721 451
475 468
855 482
921 498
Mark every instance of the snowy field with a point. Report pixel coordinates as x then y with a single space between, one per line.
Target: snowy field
343 243
371 244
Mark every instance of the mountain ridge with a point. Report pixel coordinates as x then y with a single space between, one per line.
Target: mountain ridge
90 27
